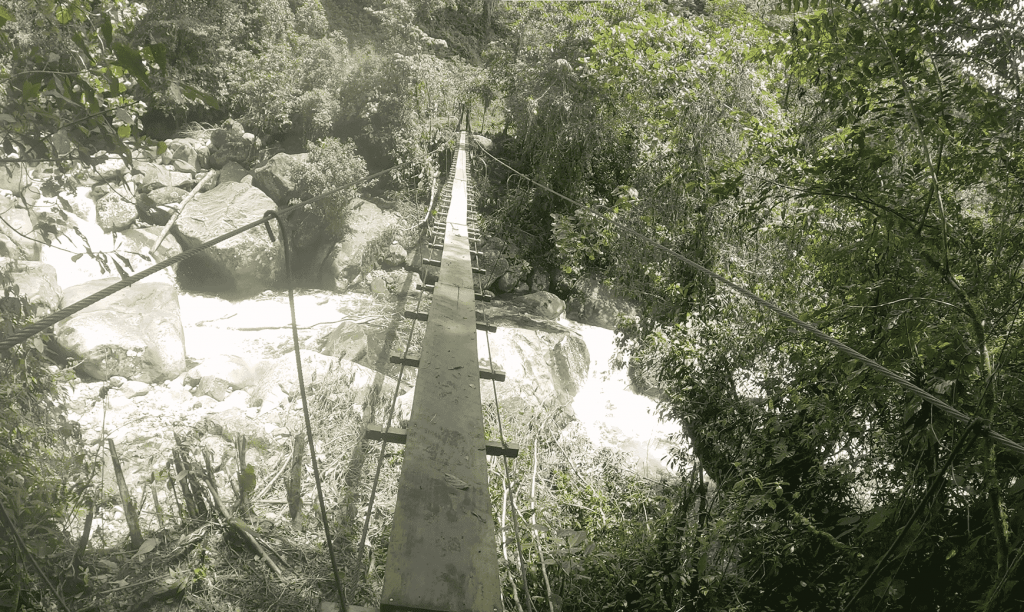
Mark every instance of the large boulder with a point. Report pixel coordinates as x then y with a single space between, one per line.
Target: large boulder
37 282
244 265
232 172
353 342
114 213
545 363
184 150
140 241
483 142
219 375
158 206
596 303
110 170
543 304
18 237
496 254
135 333
232 144
275 177
280 375
366 222
149 176
137 245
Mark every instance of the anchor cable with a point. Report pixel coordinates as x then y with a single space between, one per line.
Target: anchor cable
504 444
942 406
270 214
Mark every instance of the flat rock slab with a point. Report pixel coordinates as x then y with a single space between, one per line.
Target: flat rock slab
135 333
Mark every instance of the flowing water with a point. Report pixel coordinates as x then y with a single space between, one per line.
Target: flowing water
615 416
608 410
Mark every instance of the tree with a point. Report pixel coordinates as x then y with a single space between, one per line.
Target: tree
70 79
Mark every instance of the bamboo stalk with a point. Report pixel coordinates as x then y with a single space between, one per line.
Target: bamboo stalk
181 209
130 515
157 507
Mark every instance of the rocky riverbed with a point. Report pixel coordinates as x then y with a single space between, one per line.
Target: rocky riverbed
205 351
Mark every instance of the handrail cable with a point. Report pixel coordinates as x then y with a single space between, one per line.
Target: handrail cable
941 405
383 447
271 214
504 457
508 477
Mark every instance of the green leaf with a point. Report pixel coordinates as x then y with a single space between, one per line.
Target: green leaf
30 90
5 16
131 60
107 30
195 94
124 131
247 479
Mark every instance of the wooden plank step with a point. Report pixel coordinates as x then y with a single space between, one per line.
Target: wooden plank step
430 289
397 435
485 373
437 262
422 316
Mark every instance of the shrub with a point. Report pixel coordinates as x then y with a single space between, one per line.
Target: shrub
331 164
42 465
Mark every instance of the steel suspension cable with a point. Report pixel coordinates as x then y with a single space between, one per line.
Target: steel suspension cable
504 457
270 214
383 447
941 405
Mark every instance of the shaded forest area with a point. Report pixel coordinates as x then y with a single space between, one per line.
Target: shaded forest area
860 165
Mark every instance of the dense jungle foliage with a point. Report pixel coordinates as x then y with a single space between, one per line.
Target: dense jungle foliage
859 164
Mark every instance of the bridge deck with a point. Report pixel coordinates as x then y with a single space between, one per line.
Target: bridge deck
442 555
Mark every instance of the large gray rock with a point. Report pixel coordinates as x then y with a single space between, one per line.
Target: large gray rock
114 213
543 304
138 241
232 172
232 144
184 150
483 142
218 376
319 369
545 363
137 244
111 170
149 176
243 265
18 238
135 333
157 206
495 260
509 281
37 282
353 342
366 222
275 177
598 304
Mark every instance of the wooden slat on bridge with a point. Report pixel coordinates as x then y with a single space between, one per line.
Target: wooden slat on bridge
442 554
